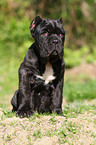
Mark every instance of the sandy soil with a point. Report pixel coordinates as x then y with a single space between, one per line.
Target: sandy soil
21 131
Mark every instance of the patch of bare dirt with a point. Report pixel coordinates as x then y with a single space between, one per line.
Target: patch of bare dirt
88 70
47 141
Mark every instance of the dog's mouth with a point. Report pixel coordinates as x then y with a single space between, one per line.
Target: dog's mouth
52 57
54 53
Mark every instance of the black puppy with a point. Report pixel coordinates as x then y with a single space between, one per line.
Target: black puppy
41 74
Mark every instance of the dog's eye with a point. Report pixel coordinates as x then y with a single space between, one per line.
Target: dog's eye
61 35
45 34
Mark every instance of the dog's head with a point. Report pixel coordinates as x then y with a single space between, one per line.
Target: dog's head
49 37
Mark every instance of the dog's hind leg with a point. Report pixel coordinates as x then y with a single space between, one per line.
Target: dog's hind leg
14 101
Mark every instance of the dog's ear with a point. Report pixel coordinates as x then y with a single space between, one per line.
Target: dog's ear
60 20
37 20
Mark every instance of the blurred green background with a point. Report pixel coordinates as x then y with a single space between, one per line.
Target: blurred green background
79 21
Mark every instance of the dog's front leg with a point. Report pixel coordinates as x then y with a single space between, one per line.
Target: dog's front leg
28 85
24 108
56 105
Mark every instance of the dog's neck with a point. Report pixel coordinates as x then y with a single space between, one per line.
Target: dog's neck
36 49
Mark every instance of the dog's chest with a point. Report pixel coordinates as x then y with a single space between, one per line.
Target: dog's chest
48 71
48 75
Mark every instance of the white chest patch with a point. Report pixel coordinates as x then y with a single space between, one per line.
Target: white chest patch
48 74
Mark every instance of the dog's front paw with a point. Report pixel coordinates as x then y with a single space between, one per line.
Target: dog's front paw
23 114
56 110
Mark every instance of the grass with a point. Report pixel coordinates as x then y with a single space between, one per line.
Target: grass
71 110
76 57
80 90
37 134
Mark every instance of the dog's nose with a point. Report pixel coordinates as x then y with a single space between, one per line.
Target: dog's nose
55 41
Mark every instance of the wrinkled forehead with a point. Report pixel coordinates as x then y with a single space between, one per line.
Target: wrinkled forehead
51 24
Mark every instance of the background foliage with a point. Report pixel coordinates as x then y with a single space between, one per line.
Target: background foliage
79 16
